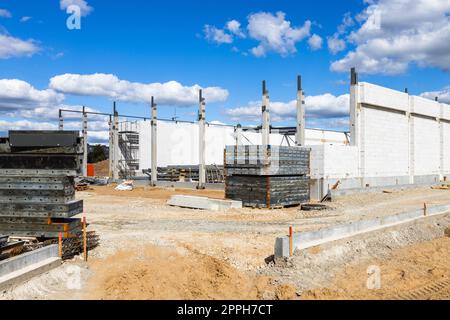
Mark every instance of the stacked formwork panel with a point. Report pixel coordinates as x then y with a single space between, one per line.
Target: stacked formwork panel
267 176
37 188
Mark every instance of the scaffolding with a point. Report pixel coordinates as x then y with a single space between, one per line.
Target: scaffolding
129 149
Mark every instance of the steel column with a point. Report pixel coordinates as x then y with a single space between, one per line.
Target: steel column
111 146
154 141
61 121
300 134
116 145
85 143
265 117
201 139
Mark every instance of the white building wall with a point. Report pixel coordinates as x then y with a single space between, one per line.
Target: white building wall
446 136
178 142
385 139
426 147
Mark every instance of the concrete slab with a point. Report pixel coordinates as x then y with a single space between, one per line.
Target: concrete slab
310 239
21 268
203 203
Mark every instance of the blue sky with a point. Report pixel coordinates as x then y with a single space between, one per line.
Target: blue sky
147 42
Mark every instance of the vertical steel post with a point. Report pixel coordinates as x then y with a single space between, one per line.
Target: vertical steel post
85 142
201 139
61 121
116 144
265 130
300 135
154 146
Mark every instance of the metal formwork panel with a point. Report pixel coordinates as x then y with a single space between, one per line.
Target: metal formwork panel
52 210
43 138
39 162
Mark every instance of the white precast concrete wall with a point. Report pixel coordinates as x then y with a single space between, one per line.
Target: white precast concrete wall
384 141
446 153
178 142
399 139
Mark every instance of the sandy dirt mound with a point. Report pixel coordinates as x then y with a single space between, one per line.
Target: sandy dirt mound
160 273
420 271
101 169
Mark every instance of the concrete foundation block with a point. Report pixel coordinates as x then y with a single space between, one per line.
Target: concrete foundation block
19 269
310 239
203 203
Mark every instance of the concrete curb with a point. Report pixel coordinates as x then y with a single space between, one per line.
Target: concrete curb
310 239
203 203
345 192
21 268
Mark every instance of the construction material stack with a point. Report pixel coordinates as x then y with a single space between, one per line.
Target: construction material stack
267 176
37 187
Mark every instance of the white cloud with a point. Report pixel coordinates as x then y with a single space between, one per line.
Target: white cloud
26 125
336 44
14 47
315 42
275 33
108 85
84 6
17 94
25 19
396 33
5 13
234 27
216 35
443 95
325 106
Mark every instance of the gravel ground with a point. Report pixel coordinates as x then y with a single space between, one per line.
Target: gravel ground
243 238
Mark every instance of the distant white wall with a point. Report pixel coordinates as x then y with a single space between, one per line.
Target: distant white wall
178 142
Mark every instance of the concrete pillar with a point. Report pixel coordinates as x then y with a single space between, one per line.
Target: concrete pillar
154 146
354 109
411 137
85 143
441 143
202 144
265 131
301 122
238 135
61 121
116 144
111 146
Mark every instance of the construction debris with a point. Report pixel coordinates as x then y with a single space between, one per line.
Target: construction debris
125 186
441 187
203 203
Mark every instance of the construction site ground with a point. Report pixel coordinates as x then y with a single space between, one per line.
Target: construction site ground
150 250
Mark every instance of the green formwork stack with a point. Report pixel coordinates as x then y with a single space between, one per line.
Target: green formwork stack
267 176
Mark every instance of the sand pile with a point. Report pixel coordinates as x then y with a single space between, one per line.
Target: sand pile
161 273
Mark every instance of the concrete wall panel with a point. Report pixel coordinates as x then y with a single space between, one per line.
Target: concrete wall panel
426 146
383 97
425 107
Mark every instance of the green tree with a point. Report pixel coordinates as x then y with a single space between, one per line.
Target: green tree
97 154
